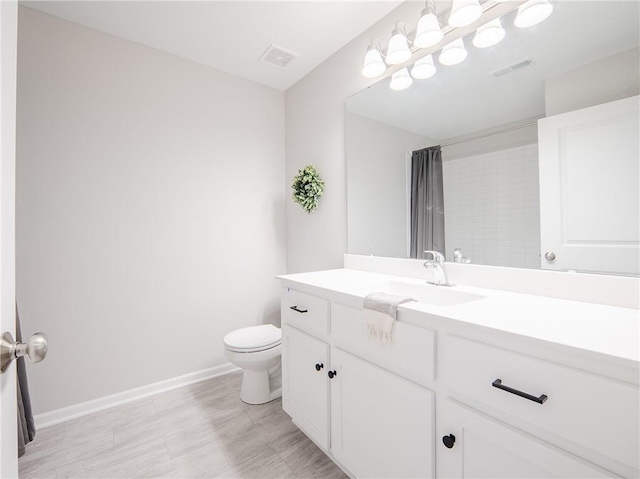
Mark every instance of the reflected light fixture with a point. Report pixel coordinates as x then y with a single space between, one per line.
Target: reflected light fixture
398 50
489 34
532 12
453 53
464 12
428 31
400 80
423 68
373 64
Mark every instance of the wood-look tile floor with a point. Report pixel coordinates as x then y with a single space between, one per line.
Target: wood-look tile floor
198 431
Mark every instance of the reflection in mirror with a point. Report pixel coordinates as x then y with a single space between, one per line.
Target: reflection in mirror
539 141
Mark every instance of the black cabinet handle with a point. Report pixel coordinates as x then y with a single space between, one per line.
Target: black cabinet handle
540 400
319 366
449 440
332 374
295 308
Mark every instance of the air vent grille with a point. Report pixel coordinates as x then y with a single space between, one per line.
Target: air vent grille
275 55
513 67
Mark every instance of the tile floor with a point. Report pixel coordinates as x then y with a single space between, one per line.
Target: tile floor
198 431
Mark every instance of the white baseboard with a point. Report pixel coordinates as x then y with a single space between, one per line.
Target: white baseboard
78 410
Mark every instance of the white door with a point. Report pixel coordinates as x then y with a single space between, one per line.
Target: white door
381 424
473 445
589 190
8 406
305 384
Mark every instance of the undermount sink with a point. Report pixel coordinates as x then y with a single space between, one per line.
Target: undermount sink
430 294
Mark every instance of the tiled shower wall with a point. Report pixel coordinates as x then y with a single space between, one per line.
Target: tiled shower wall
492 207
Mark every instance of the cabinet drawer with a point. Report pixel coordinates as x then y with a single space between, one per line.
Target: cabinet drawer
411 354
305 312
591 411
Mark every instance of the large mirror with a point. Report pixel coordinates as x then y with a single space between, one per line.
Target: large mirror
486 114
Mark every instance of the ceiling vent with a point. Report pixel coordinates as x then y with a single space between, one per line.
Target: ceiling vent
513 67
278 56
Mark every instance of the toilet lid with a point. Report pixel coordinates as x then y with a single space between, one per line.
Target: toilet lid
254 338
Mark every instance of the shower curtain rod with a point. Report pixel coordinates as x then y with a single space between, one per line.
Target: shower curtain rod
464 140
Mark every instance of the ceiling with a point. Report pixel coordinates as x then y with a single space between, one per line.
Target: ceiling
467 98
231 36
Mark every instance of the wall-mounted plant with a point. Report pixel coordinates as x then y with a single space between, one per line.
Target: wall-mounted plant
307 188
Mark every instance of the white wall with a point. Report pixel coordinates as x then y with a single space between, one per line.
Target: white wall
599 82
150 209
377 198
492 207
315 126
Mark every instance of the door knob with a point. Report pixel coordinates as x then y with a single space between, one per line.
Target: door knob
550 256
319 366
332 374
449 440
35 348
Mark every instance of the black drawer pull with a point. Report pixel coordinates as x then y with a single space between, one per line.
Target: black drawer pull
319 366
295 308
540 400
449 441
332 374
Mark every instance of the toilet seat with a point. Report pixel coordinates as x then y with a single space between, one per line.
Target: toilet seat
253 339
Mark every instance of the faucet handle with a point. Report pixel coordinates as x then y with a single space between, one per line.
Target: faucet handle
437 257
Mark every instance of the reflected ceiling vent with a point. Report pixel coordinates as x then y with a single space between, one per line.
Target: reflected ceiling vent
513 67
275 55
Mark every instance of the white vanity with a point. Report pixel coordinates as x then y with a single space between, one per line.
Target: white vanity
478 382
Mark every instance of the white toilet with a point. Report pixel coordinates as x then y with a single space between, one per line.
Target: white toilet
257 351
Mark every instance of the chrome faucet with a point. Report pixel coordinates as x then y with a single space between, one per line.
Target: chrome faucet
437 264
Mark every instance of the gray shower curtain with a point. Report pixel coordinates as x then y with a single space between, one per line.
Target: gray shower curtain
427 202
26 424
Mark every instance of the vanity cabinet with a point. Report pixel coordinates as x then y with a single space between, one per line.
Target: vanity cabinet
478 446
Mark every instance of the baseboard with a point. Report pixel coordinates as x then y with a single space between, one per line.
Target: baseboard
58 416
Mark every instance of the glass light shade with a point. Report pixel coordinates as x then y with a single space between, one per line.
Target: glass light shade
423 68
532 12
400 80
398 50
453 53
428 32
464 12
489 34
373 64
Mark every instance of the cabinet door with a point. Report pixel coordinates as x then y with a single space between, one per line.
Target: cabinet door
589 194
487 448
305 386
381 425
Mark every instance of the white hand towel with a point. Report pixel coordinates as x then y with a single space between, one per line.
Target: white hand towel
380 311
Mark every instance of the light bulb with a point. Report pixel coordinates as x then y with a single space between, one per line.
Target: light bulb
453 53
423 68
532 12
398 50
373 64
464 12
400 80
428 31
489 34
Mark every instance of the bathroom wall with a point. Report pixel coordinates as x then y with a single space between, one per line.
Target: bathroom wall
150 210
315 126
377 174
492 207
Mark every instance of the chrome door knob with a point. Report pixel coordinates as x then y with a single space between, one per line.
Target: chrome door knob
550 256
35 348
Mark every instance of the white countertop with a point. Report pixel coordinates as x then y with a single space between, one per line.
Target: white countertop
608 330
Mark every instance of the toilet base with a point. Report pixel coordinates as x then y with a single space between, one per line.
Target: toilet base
259 387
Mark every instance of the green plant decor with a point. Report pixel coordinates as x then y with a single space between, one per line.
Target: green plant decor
308 187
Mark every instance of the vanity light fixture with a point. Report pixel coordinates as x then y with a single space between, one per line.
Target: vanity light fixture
398 50
373 63
423 68
532 12
453 53
464 12
489 34
400 80
428 31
